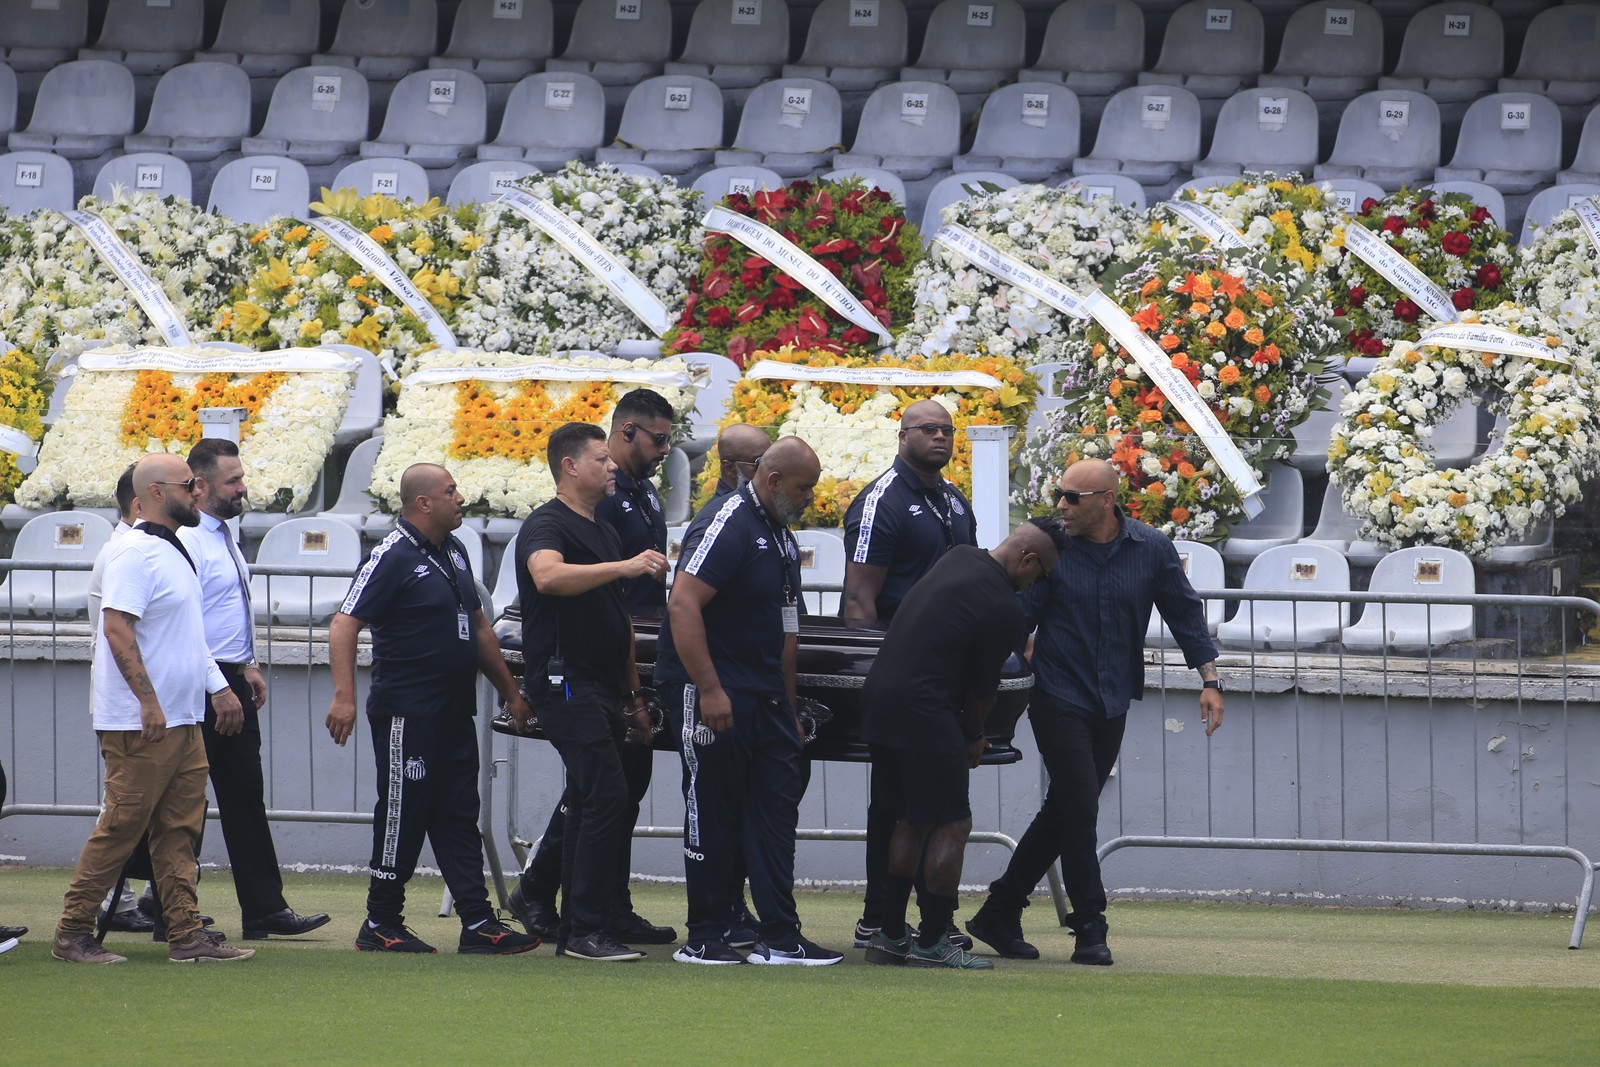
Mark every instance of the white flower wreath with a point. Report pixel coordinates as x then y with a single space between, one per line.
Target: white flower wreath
1559 274
1389 481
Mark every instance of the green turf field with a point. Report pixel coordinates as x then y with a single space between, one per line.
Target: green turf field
1193 984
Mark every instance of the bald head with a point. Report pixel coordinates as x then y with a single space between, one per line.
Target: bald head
787 479
738 448
429 501
158 485
1031 551
420 479
1091 474
1087 500
927 439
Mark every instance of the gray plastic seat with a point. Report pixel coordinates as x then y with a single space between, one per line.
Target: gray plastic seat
307 541
200 111
909 128
384 39
354 506
670 123
972 47
479 183
84 108
618 42
1336 527
1453 52
1119 187
257 188
1585 166
505 581
551 118
675 504
1263 130
854 45
1282 518
1548 203
266 38
1311 436
1213 48
8 99
434 118
54 537
1389 137
363 415
1560 56
1511 141
719 182
789 125
1348 194
149 37
1331 50
33 180
1150 133
1094 47
500 40
1204 568
1279 624
736 43
1538 543
821 563
36 38
1482 194
399 178
1028 130
1414 627
317 114
1199 185
145 172
958 187
871 178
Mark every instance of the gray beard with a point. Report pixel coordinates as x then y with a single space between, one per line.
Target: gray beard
786 513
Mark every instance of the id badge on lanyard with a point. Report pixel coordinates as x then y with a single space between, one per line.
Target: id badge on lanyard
791 618
463 626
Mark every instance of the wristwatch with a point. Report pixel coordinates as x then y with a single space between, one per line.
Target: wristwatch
1214 683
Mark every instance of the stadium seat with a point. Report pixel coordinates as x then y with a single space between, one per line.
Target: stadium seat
1332 50
1094 47
149 36
618 42
471 540
1213 48
721 374
958 187
872 178
354 507
1560 56
200 111
1028 130
1415 627
310 541
84 108
399 178
505 582
720 182
37 37
736 43
639 170
434 118
1348 194
671 123
1311 437
1203 564
1453 52
1389 137
317 114
1585 166
854 45
909 128
1263 130
500 40
675 502
1336 527
54 537
972 47
1548 203
363 415
257 188
266 38
551 118
1482 194
1538 543
1200 185
1150 133
821 563
33 180
1282 518
480 183
1280 624
8 99
383 39
1119 187
789 125
1511 141
145 172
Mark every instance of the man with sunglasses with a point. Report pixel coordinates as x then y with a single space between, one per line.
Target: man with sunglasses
739 448
1088 668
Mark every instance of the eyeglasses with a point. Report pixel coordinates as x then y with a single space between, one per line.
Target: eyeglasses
935 429
1075 496
188 486
739 463
659 438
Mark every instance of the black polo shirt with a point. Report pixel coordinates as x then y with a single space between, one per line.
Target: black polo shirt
411 593
901 523
733 548
634 511
592 631
948 645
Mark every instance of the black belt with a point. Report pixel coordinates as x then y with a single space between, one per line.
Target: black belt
235 667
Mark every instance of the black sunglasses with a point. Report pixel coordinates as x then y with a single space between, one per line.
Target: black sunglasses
188 486
935 429
1075 496
659 438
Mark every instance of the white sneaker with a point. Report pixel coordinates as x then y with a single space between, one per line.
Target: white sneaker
804 954
708 953
8 944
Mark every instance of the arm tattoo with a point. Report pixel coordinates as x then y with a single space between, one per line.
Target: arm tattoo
1208 671
131 664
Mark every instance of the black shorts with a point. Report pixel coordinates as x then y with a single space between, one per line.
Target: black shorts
933 787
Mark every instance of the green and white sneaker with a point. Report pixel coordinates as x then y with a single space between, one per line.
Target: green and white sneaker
944 954
888 951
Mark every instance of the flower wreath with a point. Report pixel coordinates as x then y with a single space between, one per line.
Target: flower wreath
24 392
1559 274
1391 484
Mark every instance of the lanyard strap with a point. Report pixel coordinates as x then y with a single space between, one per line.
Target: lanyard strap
446 572
781 536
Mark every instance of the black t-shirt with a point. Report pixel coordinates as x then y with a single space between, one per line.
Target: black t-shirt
634 511
412 595
948 642
733 548
901 523
591 631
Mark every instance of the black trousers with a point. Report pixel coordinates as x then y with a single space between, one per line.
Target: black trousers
1079 748
596 824
240 789
427 788
885 807
742 797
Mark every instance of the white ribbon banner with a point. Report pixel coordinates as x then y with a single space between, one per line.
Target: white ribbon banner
549 372
220 360
1211 225
1589 214
1481 338
1183 395
1010 269
1399 272
15 441
376 262
150 296
772 246
961 379
595 257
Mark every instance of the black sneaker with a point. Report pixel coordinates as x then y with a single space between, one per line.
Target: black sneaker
864 934
708 953
601 947
803 953
743 930
1001 932
635 929
390 937
1092 948
538 917
494 938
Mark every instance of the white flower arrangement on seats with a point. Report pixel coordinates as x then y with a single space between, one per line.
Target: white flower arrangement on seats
1559 274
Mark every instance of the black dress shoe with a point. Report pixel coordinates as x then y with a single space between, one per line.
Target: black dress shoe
130 922
8 932
634 929
538 917
283 923
1001 932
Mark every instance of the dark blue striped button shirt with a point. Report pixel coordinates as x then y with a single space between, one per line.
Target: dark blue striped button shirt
1092 616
